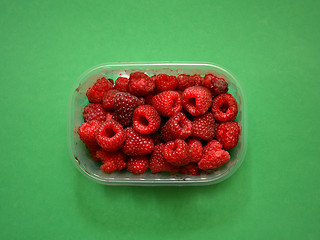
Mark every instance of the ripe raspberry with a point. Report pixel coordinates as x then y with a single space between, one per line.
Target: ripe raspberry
110 136
185 81
87 133
94 111
99 88
167 103
93 155
198 80
215 84
190 169
213 159
148 99
195 150
146 119
111 160
203 126
137 144
109 116
196 100
141 84
122 84
107 100
138 164
224 108
212 146
165 82
228 134
124 105
176 152
158 163
178 126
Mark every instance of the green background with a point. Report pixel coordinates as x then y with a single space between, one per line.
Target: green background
271 46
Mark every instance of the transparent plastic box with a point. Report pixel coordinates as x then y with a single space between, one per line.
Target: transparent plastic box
78 100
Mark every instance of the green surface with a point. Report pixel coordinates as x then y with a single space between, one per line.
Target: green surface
271 46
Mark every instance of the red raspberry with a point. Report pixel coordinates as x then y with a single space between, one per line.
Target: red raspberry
203 126
109 116
167 103
93 155
148 99
198 80
213 159
196 100
146 119
185 81
141 84
224 108
137 144
122 84
142 101
107 101
94 111
195 150
228 134
158 163
110 136
176 152
99 88
138 164
165 82
124 105
87 133
178 126
212 146
111 160
215 84
190 169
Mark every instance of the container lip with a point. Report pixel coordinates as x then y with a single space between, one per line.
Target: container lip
132 182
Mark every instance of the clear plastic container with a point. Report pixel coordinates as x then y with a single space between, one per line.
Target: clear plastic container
78 100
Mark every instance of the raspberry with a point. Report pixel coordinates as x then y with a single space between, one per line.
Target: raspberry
124 105
138 164
165 82
196 100
142 101
148 99
167 103
195 150
137 144
203 126
190 169
158 163
212 146
122 84
93 155
99 88
110 136
228 134
87 132
107 100
176 152
185 81
213 159
94 111
111 160
224 108
146 119
198 80
215 84
109 116
178 126
141 84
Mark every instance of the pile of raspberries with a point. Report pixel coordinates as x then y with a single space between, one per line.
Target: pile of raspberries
179 124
